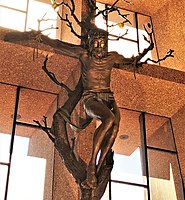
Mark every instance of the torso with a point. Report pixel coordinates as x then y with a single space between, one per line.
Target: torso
96 73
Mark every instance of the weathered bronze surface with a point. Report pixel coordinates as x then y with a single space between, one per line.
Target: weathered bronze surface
98 101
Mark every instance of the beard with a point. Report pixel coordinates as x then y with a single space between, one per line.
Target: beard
99 53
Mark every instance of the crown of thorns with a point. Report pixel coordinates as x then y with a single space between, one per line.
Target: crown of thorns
97 32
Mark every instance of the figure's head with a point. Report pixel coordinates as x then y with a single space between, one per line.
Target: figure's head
98 40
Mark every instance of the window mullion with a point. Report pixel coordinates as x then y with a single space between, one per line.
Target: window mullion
144 150
15 9
26 18
12 139
137 30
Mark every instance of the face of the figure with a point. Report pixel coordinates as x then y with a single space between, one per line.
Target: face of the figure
99 49
98 46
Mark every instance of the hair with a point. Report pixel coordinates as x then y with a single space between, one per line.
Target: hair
96 32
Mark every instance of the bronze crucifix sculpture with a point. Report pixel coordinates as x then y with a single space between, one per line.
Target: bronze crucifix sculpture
98 101
93 89
97 98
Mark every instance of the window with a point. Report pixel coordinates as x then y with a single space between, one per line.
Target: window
131 40
26 170
145 160
23 15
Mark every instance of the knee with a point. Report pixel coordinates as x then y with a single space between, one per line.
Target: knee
115 130
109 120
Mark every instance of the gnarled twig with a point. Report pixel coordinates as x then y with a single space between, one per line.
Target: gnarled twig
168 54
119 37
53 78
45 128
110 9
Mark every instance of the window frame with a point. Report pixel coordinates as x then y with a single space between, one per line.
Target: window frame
136 26
16 122
47 30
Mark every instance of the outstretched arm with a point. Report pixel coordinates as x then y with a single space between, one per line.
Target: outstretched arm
63 48
121 61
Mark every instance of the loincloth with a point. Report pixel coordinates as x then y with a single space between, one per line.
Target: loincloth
99 96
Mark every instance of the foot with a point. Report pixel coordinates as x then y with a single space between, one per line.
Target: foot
91 180
89 184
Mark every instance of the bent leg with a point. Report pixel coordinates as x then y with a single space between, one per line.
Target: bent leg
98 110
110 137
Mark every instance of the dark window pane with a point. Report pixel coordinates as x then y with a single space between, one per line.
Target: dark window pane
159 132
